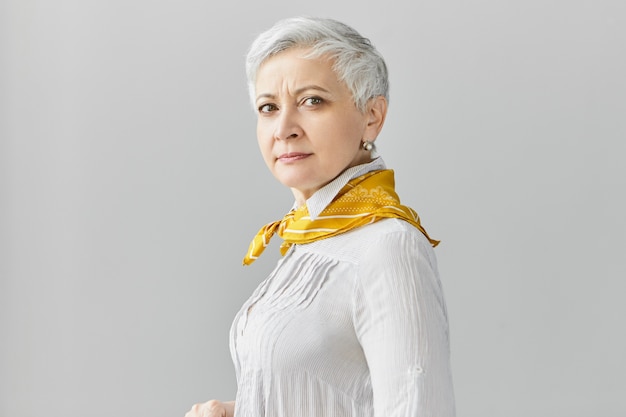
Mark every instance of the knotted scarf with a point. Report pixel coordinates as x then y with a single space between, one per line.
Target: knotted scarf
363 200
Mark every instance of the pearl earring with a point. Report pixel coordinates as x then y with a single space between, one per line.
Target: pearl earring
367 145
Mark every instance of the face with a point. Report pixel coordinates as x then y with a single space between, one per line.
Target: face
309 129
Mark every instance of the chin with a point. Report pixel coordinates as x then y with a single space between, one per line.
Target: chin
293 178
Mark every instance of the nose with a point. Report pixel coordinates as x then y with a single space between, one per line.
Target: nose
287 125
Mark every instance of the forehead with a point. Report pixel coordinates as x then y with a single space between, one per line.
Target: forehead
293 67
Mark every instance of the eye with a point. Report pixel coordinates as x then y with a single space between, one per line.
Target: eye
267 108
312 101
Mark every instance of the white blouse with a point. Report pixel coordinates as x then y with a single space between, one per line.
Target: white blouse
350 326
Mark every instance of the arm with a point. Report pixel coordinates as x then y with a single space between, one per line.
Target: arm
213 408
401 322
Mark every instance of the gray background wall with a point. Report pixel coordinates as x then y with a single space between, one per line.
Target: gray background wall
131 184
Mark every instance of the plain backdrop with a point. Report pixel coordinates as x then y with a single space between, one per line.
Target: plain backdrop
131 185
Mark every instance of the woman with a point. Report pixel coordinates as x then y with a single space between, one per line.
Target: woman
352 322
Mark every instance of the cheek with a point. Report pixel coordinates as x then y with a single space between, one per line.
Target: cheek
350 136
351 124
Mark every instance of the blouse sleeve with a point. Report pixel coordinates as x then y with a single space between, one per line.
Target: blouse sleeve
401 321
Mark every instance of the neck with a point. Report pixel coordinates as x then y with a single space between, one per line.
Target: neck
300 196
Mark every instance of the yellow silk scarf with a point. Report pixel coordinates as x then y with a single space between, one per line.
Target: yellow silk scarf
363 200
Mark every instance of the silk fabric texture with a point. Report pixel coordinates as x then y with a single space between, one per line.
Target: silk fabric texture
363 200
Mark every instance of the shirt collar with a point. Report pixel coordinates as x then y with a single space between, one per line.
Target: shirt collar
322 197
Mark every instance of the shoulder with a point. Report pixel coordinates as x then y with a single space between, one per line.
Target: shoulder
390 238
397 253
384 240
397 266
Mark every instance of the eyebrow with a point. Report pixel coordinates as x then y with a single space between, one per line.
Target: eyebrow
297 92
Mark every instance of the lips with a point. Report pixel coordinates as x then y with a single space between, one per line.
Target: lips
293 156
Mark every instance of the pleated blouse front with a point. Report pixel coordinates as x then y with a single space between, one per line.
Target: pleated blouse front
349 326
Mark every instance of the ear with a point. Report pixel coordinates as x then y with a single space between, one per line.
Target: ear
376 113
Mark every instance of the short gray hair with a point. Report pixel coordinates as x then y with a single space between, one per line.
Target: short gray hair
356 60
